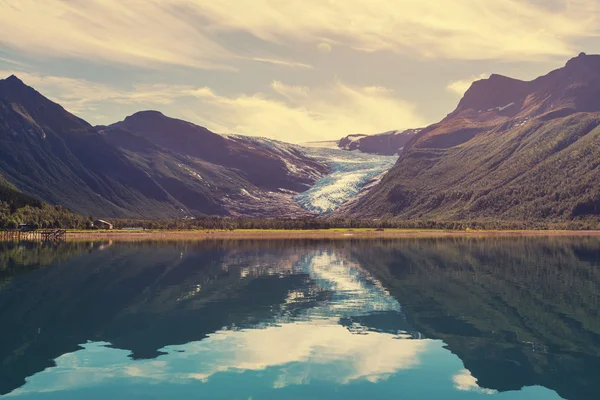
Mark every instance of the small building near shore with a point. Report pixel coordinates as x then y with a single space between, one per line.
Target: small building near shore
101 224
26 227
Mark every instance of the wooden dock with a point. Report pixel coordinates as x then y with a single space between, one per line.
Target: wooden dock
38 235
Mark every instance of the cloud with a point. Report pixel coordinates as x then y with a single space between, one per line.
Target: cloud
279 62
466 382
285 112
452 29
290 92
194 33
13 62
81 96
326 112
460 86
142 33
324 47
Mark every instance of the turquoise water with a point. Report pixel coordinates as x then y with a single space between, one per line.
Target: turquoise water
404 319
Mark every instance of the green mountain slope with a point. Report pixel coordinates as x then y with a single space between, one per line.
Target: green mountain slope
14 199
17 208
511 150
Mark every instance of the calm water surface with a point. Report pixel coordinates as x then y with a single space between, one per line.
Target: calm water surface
498 318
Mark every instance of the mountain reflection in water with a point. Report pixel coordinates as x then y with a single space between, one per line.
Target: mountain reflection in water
515 318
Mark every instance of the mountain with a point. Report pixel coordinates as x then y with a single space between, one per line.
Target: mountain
53 155
268 164
386 143
148 166
511 150
15 199
17 208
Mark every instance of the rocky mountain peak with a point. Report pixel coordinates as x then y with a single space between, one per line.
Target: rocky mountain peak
15 79
38 109
497 91
14 87
574 87
147 114
582 68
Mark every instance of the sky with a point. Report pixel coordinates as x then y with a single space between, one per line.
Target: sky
292 70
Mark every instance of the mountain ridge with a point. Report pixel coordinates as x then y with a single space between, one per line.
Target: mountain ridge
386 143
109 171
522 151
512 149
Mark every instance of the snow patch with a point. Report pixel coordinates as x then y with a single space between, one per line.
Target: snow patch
246 193
291 167
191 172
502 108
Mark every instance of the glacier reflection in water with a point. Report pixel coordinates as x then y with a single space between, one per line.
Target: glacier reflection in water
304 322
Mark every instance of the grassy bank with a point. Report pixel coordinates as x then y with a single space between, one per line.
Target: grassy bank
336 233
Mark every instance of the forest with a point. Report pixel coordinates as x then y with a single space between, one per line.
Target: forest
223 223
17 208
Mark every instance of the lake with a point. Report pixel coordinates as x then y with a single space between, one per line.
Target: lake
454 318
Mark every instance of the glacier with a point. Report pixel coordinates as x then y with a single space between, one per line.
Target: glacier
350 172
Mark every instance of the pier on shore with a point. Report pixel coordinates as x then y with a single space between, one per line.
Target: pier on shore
35 235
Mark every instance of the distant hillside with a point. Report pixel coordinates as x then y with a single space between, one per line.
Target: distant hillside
511 150
13 199
265 163
387 143
148 166
17 208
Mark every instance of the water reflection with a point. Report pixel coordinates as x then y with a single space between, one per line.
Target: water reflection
514 318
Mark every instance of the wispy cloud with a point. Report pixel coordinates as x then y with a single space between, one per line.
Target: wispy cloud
142 33
81 96
12 62
281 111
193 33
278 62
301 114
454 29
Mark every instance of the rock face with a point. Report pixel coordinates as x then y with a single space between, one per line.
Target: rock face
51 154
387 143
148 166
511 150
268 164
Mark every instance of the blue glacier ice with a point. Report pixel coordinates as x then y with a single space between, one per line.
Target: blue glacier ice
350 172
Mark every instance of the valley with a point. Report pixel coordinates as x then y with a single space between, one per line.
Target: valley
350 173
511 151
301 199
151 166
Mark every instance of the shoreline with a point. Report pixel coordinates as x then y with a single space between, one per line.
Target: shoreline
317 234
